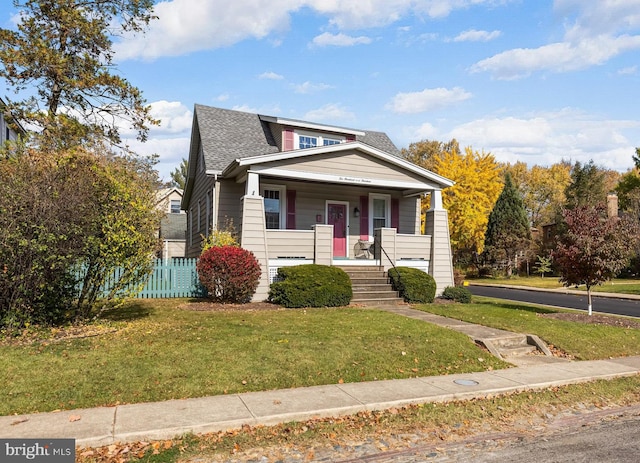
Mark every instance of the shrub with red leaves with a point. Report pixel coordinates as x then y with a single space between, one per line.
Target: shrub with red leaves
230 273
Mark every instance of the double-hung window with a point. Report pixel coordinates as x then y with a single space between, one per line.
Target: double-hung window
175 206
380 211
274 206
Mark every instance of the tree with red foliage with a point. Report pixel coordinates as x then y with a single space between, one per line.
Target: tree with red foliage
230 273
593 248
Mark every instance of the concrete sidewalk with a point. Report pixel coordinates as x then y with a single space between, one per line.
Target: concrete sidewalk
163 420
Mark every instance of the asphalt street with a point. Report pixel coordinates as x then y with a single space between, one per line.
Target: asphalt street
608 305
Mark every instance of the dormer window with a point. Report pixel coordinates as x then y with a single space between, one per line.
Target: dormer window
311 140
307 142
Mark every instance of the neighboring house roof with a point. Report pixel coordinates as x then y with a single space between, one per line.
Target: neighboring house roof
173 227
164 193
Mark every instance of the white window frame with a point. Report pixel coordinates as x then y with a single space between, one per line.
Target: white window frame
320 137
283 202
171 204
387 199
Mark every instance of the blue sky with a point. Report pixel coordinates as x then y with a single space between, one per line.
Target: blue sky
536 81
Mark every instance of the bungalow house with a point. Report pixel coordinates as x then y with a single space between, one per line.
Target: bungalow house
302 192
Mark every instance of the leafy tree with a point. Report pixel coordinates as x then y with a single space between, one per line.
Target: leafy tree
179 175
63 50
470 201
543 265
508 231
542 189
425 152
593 247
588 185
67 220
628 191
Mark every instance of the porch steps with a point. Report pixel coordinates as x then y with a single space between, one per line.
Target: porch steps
371 287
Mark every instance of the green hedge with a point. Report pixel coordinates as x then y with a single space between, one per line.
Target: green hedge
413 285
458 294
311 285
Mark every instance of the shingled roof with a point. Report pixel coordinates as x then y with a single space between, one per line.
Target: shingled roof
227 135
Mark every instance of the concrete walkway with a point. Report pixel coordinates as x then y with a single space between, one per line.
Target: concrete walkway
164 420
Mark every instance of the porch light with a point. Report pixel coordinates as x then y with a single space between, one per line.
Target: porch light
356 212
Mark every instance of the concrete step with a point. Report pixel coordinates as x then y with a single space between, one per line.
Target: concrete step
367 286
517 340
380 302
516 351
366 295
356 274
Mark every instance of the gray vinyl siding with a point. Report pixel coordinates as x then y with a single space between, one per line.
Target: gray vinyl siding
348 164
229 195
202 185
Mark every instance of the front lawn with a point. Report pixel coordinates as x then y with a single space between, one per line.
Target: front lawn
584 341
154 350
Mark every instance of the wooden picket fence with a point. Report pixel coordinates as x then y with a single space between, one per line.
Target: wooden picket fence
170 278
173 278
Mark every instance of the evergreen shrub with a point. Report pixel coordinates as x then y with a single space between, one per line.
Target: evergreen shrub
457 293
230 273
413 285
311 285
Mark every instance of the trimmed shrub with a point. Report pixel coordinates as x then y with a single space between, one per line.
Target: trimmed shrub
230 273
458 294
311 285
413 285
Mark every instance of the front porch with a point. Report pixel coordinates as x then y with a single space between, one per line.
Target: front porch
316 246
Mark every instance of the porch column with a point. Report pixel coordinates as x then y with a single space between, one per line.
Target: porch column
440 261
323 244
253 236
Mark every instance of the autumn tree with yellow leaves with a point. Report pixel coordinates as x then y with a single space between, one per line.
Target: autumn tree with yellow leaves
471 199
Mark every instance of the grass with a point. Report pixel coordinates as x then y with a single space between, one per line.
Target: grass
151 350
583 341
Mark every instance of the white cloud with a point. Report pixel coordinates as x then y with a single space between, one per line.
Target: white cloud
270 75
174 117
329 112
186 26
556 57
222 97
631 70
548 138
427 100
310 87
339 40
473 35
594 33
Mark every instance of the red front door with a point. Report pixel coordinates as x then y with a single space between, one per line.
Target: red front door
337 216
